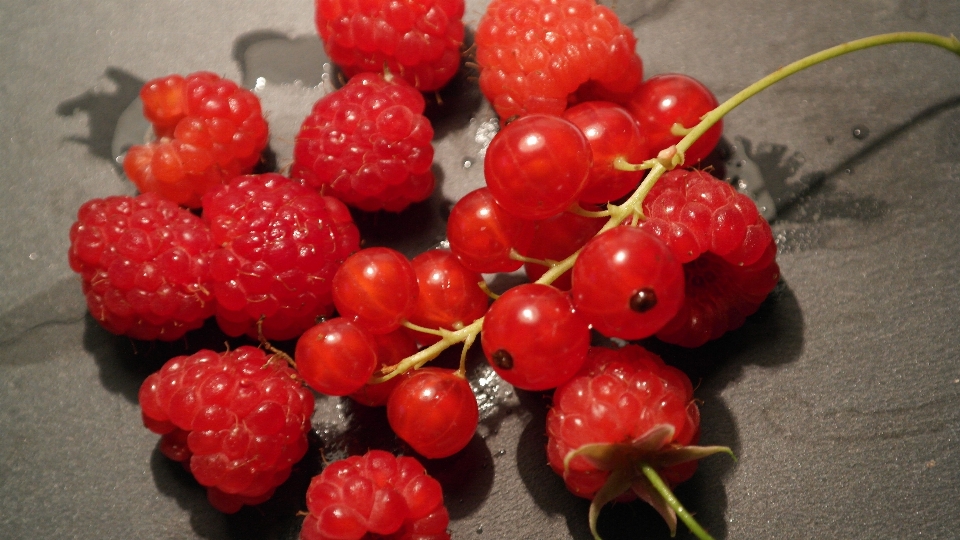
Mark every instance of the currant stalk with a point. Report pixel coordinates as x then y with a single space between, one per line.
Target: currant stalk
666 160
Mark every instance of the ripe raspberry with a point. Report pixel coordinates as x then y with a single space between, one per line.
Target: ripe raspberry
237 420
279 245
144 263
375 495
536 55
418 40
209 130
625 408
368 144
726 247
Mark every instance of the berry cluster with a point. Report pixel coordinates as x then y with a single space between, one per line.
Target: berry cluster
584 191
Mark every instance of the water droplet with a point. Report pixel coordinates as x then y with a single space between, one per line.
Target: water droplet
33 256
860 132
467 164
848 171
501 452
480 529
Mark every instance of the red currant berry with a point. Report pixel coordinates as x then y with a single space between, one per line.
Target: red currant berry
533 338
376 288
434 411
537 166
391 349
482 234
665 100
612 133
627 283
336 357
556 239
450 294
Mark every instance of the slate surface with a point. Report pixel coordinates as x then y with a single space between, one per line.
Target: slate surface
841 397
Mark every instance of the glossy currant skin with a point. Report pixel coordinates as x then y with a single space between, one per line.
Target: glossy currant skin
434 411
537 166
450 294
627 283
482 234
376 288
557 238
612 133
336 357
391 348
533 338
664 100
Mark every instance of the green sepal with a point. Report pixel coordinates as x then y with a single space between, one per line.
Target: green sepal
626 462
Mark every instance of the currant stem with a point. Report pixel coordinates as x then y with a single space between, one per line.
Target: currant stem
708 120
667 159
664 490
448 338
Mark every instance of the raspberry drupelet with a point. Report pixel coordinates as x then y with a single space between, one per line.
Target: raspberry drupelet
417 40
376 495
144 264
726 247
368 144
538 56
279 245
237 421
208 131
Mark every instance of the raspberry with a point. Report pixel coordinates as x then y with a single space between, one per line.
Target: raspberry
144 263
375 495
368 144
625 408
535 56
280 244
726 247
209 130
238 421
418 40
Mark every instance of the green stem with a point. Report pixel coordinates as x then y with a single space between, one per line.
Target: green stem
708 120
670 158
664 490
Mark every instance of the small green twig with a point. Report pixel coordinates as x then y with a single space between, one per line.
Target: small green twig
664 490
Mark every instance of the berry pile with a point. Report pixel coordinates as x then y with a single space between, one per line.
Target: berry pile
586 190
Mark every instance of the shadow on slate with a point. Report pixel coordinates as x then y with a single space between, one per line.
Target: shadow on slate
103 111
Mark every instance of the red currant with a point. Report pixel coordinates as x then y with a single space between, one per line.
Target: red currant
533 338
665 100
612 133
556 239
391 349
537 166
336 357
450 294
482 234
627 283
434 411
376 288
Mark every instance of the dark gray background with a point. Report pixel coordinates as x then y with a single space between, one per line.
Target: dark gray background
841 397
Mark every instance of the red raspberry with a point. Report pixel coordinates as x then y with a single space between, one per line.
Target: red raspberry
144 263
418 40
209 130
237 420
536 55
726 247
368 144
623 409
372 496
280 244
